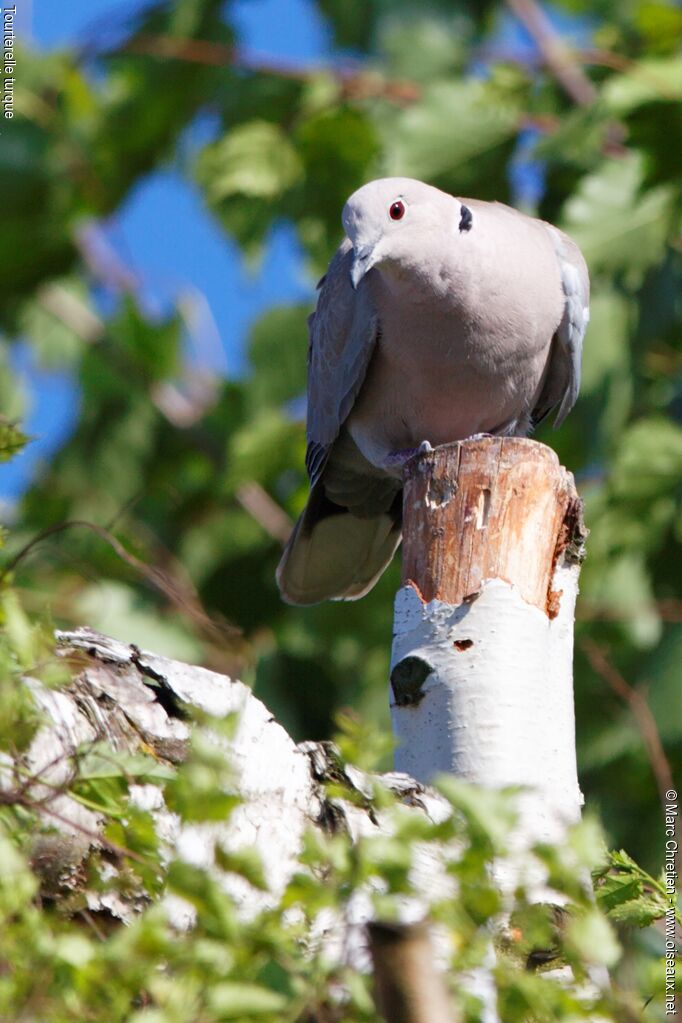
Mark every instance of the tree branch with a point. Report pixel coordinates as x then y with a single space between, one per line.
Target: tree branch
409 988
644 719
554 52
255 500
355 83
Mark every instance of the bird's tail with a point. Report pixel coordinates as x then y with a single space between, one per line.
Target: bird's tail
335 555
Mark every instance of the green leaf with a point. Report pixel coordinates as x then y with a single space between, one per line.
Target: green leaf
254 159
621 581
424 44
618 227
458 136
152 347
489 814
18 884
607 355
247 863
12 440
101 761
201 890
263 447
338 147
577 141
641 912
74 949
245 177
616 890
649 460
590 937
259 96
628 894
59 321
661 671
22 636
233 1000
660 25
278 346
645 82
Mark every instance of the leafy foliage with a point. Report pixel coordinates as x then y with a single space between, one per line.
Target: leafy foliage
12 440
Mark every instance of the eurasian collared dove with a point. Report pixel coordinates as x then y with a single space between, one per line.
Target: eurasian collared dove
438 319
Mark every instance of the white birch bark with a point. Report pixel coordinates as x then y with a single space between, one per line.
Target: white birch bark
130 699
496 707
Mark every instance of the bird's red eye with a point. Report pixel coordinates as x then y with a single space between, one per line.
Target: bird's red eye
397 210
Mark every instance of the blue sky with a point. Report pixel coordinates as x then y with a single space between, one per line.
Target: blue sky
162 232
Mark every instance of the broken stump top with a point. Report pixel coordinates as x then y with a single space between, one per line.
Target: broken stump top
488 508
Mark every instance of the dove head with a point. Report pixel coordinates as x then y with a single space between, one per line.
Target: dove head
391 220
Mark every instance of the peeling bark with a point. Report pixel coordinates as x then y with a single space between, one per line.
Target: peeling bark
135 700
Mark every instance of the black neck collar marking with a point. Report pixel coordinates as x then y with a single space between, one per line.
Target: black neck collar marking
466 219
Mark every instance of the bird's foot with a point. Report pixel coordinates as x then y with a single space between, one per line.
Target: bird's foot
479 436
398 459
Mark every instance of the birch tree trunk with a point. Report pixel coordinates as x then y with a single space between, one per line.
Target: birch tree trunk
481 667
481 671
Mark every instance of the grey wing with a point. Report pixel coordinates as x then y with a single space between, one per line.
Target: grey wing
343 330
563 376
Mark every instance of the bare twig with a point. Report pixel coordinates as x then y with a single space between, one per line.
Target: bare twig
267 513
554 51
94 836
641 712
180 593
89 919
585 56
626 65
354 83
71 311
565 63
357 84
186 406
20 796
102 260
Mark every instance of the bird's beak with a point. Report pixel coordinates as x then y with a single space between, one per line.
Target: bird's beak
363 260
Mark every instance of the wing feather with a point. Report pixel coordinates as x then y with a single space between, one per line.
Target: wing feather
343 331
563 376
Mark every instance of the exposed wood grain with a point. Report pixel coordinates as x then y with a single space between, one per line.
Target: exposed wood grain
489 508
